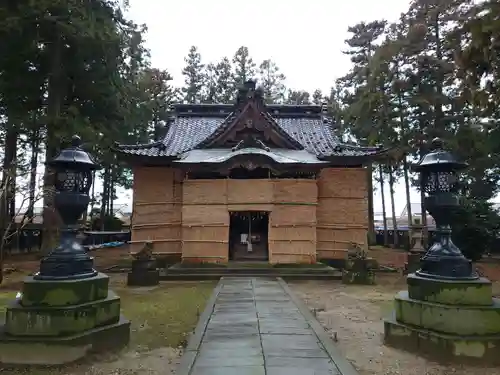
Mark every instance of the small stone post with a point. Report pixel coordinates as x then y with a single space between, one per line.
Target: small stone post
417 249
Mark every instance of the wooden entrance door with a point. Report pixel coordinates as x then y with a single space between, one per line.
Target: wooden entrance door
248 236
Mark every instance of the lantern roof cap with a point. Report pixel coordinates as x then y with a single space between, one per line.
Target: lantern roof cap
439 159
74 157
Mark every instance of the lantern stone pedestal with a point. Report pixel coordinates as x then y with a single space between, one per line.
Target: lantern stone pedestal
58 322
447 320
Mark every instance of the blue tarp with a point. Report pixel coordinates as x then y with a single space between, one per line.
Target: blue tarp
106 245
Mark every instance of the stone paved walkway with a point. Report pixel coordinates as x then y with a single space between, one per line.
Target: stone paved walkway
257 328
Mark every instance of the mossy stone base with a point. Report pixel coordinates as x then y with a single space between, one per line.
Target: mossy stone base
453 319
358 277
452 292
359 271
442 347
52 351
64 292
361 264
61 320
143 278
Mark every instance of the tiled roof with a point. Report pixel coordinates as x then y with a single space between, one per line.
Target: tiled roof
193 124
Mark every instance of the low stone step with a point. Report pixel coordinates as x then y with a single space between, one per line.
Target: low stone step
478 350
216 276
449 319
246 270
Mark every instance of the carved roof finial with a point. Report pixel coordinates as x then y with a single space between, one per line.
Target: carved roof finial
249 91
250 85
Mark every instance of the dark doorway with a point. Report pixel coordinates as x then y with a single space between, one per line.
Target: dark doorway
248 236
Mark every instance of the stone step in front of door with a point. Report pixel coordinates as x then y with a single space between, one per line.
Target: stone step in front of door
191 276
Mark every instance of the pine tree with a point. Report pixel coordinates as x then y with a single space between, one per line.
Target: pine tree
244 67
159 95
218 88
362 45
271 80
298 97
318 97
194 77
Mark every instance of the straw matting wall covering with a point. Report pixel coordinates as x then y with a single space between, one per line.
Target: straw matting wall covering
308 219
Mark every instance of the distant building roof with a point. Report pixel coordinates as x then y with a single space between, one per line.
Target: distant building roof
416 209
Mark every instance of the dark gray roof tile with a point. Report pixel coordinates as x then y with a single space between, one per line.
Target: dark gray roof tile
309 128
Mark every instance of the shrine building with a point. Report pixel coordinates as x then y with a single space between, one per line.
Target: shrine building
249 181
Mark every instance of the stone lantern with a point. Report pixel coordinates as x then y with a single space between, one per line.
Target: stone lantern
73 169
448 312
439 176
66 310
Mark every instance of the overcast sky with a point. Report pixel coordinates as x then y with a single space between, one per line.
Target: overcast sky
304 38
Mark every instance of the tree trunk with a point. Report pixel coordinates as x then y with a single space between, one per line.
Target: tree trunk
424 219
371 219
51 219
408 199
423 210
111 191
105 195
7 190
34 142
8 204
384 213
438 113
393 209
92 199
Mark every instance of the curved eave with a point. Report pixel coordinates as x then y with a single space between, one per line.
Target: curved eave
283 166
362 157
390 154
219 157
132 159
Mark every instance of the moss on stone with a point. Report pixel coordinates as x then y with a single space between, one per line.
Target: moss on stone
57 321
482 350
361 278
453 319
65 349
461 292
64 292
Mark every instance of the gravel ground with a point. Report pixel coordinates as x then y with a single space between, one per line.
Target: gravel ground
162 361
354 313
